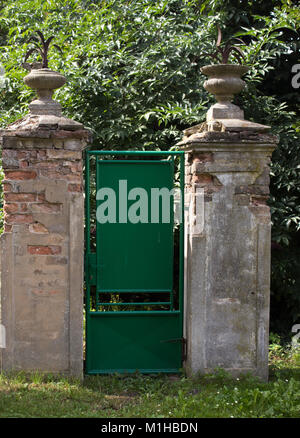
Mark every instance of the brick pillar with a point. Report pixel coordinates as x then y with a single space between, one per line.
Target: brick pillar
43 244
228 261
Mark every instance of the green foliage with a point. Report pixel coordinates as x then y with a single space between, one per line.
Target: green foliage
283 355
132 74
133 71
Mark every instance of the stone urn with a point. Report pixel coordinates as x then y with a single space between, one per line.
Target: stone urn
224 81
44 81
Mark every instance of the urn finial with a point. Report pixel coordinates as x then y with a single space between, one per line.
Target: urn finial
43 79
224 81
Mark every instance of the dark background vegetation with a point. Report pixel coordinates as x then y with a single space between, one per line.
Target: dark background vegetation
133 70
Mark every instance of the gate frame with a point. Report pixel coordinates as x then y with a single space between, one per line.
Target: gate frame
181 281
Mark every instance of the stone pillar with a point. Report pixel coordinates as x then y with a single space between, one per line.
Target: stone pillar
228 261
43 243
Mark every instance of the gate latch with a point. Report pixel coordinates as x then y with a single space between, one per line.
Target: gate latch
183 344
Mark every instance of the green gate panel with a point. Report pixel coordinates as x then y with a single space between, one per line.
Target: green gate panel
126 343
135 256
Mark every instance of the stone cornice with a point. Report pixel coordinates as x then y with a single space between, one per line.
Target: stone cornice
243 141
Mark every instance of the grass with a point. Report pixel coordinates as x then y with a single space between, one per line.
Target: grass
132 396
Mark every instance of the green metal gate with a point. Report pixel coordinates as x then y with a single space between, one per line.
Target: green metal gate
134 284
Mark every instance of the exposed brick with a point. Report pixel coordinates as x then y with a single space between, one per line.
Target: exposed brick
45 208
48 164
207 198
66 155
262 212
38 292
242 199
20 197
38 133
11 208
18 218
45 293
65 170
76 167
23 164
188 170
41 154
23 154
20 174
204 157
7 228
252 189
9 153
188 179
58 144
43 249
41 197
75 187
38 272
11 142
264 177
7 188
217 183
202 178
70 134
23 208
259 200
68 163
51 174
60 176
38 228
10 163
74 178
73 144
